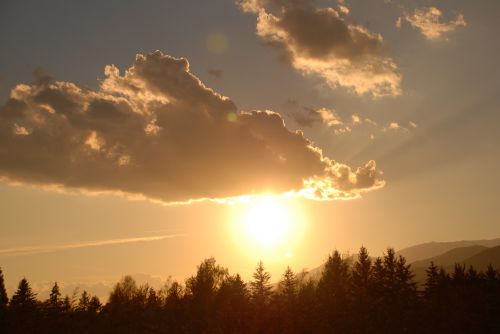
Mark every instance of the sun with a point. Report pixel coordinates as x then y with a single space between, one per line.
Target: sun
267 227
267 222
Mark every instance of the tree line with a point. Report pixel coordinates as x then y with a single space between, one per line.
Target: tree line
362 296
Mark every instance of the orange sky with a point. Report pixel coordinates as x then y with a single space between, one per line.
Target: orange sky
377 120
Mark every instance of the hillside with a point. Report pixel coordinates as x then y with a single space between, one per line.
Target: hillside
449 258
432 249
478 253
482 260
478 257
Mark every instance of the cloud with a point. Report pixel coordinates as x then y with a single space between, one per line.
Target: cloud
319 41
429 21
394 125
308 117
55 248
155 131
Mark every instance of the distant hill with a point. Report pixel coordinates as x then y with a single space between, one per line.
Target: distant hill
315 273
476 256
482 260
449 258
431 249
478 253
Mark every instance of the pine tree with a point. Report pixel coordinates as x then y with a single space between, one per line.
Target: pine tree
260 287
233 289
491 274
231 305
335 277
84 302
361 283
333 294
4 300
94 305
286 302
23 310
24 298
390 270
288 285
377 280
459 276
405 275
432 280
55 297
362 271
67 304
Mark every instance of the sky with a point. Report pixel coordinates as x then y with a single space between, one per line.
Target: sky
136 137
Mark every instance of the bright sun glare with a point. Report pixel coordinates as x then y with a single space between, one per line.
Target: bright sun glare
267 222
267 227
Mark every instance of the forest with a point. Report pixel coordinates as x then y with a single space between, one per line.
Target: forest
366 295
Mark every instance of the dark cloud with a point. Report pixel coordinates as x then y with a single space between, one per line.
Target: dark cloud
157 131
307 117
320 41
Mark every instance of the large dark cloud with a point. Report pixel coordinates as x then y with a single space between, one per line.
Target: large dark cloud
157 131
320 41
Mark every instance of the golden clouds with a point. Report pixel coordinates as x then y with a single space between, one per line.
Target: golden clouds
157 131
429 22
319 41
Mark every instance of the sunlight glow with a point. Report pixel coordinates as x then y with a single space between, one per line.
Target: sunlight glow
267 227
267 222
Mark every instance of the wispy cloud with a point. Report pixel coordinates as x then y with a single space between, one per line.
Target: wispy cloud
62 247
308 117
430 22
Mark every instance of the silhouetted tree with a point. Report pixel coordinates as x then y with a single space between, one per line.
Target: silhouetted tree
307 306
377 296
94 305
83 302
286 301
124 308
67 304
232 305
54 302
4 301
362 271
333 293
175 308
260 293
260 287
432 280
23 299
23 309
405 284
361 282
288 285
202 289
